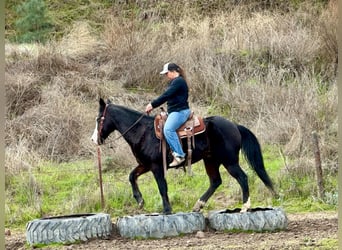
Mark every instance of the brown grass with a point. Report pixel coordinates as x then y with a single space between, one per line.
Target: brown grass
328 30
24 93
272 71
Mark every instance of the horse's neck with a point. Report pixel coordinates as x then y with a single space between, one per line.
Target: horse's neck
127 123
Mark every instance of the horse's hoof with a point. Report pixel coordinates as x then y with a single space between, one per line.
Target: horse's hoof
167 212
246 206
141 204
243 210
198 206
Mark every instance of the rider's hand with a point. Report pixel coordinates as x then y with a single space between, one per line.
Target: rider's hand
148 108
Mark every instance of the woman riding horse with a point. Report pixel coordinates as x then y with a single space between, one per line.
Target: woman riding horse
219 145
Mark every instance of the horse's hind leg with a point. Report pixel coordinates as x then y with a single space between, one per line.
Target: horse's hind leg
133 177
236 171
212 169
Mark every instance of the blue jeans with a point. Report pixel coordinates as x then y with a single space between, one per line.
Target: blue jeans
173 122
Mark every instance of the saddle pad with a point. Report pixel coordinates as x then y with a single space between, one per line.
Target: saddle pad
194 123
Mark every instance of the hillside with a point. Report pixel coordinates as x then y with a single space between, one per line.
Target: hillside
246 63
270 67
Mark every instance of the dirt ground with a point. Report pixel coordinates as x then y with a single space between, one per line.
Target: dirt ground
305 231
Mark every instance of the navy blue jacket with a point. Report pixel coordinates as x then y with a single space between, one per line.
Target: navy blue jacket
176 95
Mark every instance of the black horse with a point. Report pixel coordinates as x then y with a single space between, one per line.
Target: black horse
219 144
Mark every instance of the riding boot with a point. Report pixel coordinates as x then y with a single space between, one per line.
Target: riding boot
177 160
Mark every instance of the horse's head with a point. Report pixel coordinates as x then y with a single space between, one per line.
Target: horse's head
103 124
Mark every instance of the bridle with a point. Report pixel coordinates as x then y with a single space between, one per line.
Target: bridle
122 134
101 125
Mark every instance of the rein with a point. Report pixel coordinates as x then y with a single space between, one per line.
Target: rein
135 123
122 134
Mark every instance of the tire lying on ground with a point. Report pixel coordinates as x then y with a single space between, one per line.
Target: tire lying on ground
159 226
257 219
69 228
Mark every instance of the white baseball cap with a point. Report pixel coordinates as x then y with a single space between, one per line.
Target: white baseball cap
170 67
165 69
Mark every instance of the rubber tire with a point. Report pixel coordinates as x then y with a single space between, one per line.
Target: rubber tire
160 226
257 219
69 228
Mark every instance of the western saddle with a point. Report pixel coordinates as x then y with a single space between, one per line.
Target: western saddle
193 126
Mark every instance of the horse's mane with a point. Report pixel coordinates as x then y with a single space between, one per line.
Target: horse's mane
130 110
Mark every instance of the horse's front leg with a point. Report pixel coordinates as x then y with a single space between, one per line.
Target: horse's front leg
158 173
133 178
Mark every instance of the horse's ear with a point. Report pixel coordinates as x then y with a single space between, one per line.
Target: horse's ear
102 102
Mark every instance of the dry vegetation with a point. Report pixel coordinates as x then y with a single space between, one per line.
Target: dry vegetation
273 71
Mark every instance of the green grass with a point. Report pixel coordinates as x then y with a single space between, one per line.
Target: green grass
52 189
328 243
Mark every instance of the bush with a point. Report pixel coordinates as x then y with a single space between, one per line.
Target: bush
33 24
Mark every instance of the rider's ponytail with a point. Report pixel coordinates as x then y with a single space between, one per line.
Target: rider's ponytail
180 70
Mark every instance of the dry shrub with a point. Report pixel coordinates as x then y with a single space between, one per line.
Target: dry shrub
327 29
229 48
79 86
19 157
15 52
234 48
45 62
328 130
52 129
270 40
287 115
20 58
51 62
23 91
39 63
80 43
132 50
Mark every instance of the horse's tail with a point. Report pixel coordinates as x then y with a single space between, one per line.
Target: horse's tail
252 151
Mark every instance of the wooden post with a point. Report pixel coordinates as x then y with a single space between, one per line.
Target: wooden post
100 176
319 173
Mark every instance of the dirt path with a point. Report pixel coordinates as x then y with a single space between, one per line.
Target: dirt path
305 231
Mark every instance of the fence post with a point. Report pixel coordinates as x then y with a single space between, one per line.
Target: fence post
319 174
100 176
